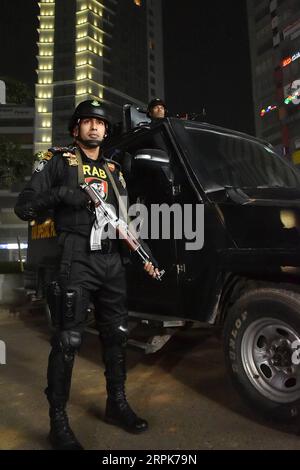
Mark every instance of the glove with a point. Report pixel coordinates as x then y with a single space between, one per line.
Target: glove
25 211
76 197
31 206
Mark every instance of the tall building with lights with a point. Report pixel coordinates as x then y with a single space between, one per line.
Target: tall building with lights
109 50
274 29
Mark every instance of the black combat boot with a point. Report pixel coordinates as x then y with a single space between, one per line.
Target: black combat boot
119 412
61 435
59 376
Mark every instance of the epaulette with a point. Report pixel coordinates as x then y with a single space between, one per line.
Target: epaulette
44 155
69 153
112 165
55 150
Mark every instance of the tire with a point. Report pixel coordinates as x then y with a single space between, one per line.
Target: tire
261 341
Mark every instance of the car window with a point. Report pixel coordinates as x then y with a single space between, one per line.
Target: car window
238 162
153 140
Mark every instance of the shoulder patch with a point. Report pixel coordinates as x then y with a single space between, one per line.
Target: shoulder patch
41 166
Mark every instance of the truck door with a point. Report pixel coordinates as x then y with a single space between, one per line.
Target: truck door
151 185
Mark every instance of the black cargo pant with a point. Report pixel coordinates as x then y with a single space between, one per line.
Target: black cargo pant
85 276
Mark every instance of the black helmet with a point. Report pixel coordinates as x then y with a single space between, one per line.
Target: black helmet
155 102
90 109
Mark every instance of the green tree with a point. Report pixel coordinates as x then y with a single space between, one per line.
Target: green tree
17 92
15 163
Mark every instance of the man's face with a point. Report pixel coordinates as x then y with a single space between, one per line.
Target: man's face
158 111
90 129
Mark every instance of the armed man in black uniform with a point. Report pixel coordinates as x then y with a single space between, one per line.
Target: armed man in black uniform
85 274
156 110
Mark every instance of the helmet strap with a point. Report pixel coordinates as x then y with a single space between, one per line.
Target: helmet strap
91 144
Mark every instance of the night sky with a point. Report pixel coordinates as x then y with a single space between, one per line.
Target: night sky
207 62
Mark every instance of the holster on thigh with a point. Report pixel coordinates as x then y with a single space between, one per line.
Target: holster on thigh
74 307
54 300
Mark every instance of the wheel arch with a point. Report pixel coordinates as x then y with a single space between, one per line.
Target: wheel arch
235 284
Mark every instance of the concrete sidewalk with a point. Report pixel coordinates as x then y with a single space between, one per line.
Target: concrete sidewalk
182 390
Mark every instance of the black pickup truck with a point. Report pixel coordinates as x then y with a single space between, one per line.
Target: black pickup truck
244 279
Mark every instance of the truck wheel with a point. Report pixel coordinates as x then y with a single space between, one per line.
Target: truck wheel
261 342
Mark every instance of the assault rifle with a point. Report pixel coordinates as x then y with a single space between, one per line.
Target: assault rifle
106 215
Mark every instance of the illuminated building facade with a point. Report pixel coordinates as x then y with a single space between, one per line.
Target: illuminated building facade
274 29
110 50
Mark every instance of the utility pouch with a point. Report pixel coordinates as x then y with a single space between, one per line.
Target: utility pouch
54 300
74 307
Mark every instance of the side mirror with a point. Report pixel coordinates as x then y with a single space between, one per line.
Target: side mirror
150 158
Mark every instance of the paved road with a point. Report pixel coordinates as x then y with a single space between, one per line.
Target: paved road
182 390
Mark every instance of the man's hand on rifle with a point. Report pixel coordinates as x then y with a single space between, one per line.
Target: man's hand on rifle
153 272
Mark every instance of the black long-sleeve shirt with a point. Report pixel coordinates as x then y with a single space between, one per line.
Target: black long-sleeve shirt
41 193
